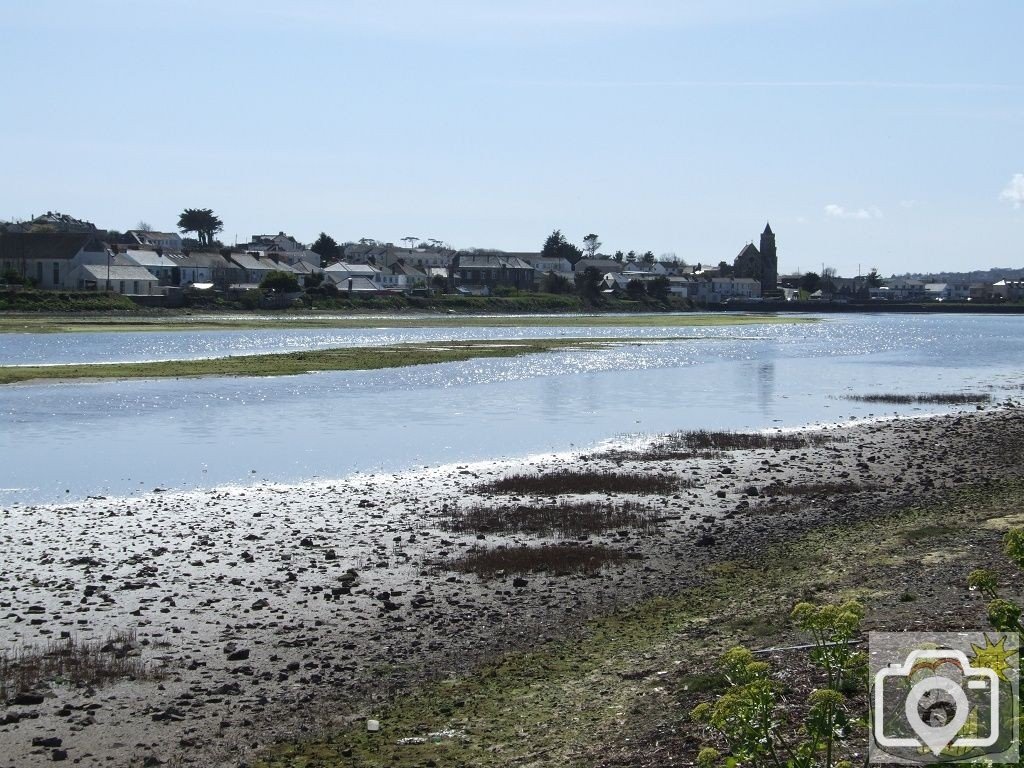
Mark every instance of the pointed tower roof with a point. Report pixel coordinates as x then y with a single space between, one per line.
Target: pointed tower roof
768 229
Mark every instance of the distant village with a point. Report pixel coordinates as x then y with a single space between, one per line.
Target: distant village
58 252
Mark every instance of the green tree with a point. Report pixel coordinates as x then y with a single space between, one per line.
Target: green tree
555 283
280 282
636 290
659 288
589 283
203 221
810 282
648 258
725 269
327 248
557 247
874 279
590 245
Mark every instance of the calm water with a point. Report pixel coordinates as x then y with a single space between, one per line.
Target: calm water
69 440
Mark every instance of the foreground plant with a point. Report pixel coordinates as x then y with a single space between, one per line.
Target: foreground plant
749 718
1003 615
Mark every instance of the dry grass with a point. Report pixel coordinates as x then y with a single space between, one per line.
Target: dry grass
711 443
73 661
560 559
586 481
566 519
949 398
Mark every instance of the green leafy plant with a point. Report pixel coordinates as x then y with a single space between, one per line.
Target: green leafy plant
1004 615
749 718
832 627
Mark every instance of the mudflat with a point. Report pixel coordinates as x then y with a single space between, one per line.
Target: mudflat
270 622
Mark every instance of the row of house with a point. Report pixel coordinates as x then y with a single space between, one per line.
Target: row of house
57 251
904 289
71 261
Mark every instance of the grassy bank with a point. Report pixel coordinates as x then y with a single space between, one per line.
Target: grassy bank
619 694
293 363
166 321
64 301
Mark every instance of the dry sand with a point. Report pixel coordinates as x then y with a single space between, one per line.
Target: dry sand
244 601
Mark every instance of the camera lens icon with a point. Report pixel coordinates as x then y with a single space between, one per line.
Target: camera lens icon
937 709
937 706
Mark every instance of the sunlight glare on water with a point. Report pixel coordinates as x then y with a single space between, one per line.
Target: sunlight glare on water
71 439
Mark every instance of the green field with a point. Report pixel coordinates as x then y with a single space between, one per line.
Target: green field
293 363
33 323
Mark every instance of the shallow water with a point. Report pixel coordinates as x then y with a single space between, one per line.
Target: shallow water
68 440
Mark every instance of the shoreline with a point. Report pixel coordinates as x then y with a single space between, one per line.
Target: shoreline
284 548
13 322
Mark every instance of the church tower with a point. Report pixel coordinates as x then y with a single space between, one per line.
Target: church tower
769 262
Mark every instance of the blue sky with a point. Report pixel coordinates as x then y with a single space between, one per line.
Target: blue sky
869 133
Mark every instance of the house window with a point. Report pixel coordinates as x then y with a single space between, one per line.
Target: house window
135 286
39 272
56 273
120 284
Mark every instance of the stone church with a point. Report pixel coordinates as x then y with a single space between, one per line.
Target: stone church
762 265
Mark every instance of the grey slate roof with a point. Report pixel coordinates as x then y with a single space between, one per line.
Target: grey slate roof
99 271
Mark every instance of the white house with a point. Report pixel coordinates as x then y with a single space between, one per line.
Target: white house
158 265
717 289
904 289
402 277
127 280
948 291
203 267
544 266
682 287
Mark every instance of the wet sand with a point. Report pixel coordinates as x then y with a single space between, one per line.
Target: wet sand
276 612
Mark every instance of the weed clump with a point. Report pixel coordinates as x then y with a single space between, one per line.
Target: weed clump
73 661
586 481
709 444
945 398
565 519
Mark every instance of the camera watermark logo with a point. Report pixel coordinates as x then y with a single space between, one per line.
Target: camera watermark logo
944 697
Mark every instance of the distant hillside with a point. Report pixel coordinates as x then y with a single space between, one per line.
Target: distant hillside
993 275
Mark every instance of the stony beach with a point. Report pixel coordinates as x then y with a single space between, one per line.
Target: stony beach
280 612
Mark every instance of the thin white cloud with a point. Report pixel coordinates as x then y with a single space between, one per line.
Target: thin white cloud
834 211
1014 192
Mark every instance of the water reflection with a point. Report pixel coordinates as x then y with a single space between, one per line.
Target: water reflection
766 386
121 437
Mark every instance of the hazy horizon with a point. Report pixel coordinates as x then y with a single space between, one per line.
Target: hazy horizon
869 134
